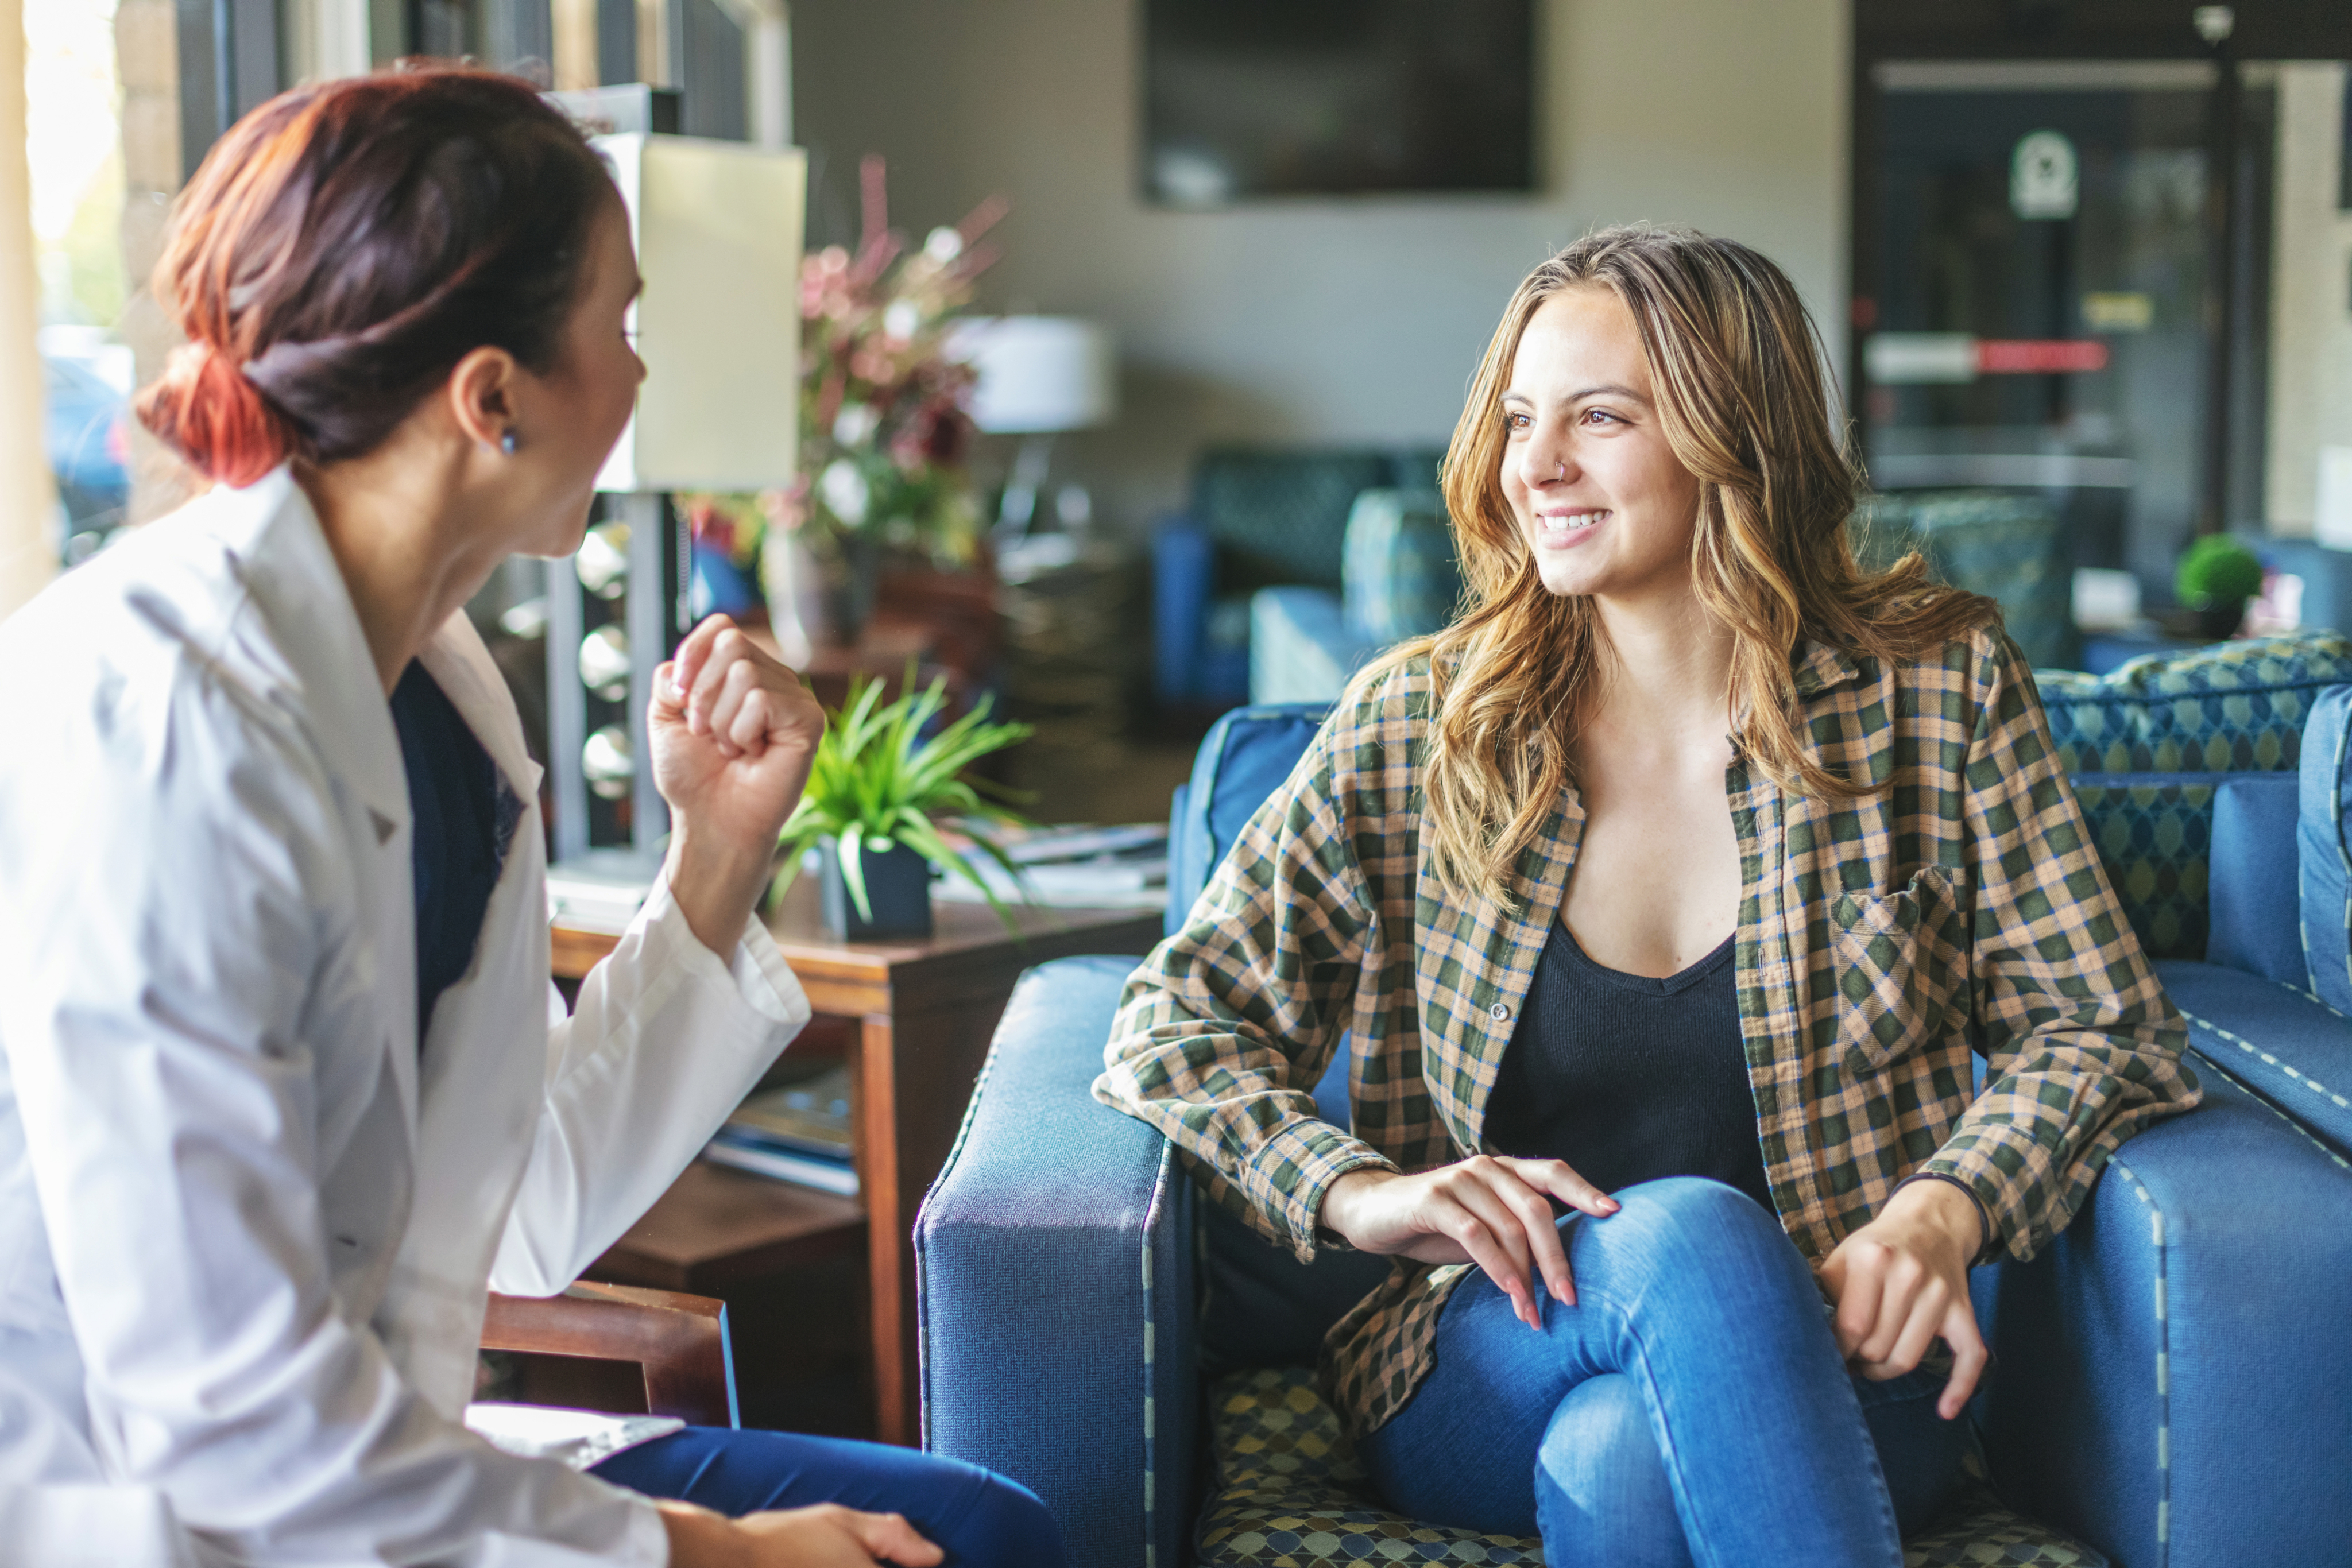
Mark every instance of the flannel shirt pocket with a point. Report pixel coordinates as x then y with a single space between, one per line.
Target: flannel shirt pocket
1900 961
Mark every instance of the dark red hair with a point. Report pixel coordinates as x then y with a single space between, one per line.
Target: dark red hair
344 245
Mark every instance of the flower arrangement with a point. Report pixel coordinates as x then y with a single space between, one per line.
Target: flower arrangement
886 421
726 526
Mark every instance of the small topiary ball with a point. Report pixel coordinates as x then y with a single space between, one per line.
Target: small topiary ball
2216 570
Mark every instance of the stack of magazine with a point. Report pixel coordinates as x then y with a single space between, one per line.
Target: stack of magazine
798 1132
1080 864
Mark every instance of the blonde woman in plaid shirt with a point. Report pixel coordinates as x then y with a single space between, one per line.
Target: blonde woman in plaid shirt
1674 722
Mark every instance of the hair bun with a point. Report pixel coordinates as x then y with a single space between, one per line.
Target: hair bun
206 411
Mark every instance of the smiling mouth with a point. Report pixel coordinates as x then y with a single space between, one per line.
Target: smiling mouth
1563 524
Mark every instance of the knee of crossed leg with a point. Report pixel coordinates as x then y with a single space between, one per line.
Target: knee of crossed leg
1007 1524
1690 1217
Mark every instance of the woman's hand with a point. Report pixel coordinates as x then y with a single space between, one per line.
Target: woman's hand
733 733
824 1536
1901 1282
1494 1211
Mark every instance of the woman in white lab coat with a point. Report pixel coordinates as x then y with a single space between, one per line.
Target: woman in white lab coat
281 1093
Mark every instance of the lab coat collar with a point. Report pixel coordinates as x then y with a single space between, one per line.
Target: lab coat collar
295 582
293 577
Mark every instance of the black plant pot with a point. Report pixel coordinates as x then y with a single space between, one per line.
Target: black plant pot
2220 619
897 891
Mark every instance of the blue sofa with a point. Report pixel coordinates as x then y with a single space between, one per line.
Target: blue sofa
2173 1376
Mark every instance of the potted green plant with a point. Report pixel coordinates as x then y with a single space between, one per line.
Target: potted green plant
2215 578
875 792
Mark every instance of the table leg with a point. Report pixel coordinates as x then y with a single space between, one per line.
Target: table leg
895 1419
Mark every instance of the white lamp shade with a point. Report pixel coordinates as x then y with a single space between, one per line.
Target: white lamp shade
717 227
1038 373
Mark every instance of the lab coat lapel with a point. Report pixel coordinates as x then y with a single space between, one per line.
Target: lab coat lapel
301 595
460 664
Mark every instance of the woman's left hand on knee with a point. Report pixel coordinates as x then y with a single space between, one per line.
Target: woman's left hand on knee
1901 1282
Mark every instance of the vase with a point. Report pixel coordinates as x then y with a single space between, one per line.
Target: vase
852 574
719 587
820 588
790 577
897 892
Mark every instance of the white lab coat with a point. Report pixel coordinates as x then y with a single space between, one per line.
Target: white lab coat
245 1243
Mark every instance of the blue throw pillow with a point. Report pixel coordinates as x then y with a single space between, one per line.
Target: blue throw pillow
2324 848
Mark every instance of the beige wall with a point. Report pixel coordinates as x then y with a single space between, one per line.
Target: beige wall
27 498
1316 321
146 53
2311 325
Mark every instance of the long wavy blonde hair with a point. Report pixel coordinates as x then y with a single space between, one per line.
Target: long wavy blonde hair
1736 367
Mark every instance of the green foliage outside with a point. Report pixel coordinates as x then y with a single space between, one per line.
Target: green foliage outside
81 275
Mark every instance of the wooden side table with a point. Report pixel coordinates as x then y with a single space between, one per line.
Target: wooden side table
924 1010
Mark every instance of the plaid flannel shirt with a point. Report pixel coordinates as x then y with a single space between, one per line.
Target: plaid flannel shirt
1880 940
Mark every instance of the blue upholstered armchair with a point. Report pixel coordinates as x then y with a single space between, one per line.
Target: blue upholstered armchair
2173 1381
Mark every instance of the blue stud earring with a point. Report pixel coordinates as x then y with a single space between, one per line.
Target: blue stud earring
507 443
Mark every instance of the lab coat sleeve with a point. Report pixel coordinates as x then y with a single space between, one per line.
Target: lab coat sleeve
180 911
663 1042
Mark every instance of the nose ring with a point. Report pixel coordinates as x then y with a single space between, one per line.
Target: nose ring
1563 469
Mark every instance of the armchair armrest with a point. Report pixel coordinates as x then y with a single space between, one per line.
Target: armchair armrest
2173 1377
679 1341
1053 1266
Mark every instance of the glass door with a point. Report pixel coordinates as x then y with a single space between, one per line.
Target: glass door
2055 295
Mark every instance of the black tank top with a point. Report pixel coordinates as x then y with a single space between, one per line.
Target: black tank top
462 818
1628 1078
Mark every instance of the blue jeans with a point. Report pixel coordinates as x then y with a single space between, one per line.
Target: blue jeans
1691 1407
977 1517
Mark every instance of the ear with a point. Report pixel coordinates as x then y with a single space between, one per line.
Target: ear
482 395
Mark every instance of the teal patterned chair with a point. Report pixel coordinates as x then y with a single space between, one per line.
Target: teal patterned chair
1399 580
1999 543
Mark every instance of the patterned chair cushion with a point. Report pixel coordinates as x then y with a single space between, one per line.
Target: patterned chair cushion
2156 841
2232 707
1290 1493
